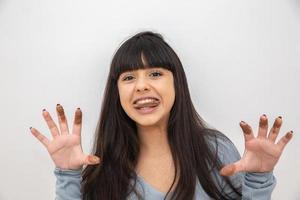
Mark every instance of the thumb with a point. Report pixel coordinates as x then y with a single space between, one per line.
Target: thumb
231 169
91 160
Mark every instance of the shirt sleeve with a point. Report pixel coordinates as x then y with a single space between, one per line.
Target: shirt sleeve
255 186
68 184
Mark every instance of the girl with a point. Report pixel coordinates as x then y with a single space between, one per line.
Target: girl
151 143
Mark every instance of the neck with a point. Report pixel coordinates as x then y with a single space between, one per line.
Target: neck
155 157
154 141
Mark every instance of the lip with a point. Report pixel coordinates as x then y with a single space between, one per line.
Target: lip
141 98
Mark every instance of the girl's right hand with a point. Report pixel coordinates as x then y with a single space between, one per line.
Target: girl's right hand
65 148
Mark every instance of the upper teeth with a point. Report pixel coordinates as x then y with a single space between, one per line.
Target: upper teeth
143 101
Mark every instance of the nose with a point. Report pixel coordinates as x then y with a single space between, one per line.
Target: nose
141 85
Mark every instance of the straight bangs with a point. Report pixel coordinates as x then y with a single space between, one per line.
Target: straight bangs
141 52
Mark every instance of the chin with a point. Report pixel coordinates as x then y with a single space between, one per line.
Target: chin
146 120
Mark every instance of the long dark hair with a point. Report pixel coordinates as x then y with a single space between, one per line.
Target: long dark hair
117 143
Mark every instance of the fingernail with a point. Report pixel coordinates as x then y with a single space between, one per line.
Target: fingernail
280 117
78 108
95 159
264 115
243 122
58 104
292 132
30 127
44 109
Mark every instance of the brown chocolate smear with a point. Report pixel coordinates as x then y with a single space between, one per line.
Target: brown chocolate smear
78 117
61 112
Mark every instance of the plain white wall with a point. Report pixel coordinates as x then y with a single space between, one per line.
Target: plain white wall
241 58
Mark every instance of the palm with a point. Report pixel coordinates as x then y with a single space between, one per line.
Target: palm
261 153
65 149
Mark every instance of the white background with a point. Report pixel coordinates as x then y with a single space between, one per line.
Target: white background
241 59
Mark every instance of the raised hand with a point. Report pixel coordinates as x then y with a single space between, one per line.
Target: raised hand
65 148
261 153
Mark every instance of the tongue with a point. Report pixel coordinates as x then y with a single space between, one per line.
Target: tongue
150 104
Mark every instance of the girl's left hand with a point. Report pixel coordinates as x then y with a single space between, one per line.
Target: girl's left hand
261 153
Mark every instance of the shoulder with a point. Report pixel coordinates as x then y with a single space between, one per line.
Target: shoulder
222 146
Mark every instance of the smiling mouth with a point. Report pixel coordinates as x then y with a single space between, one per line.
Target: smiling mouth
146 106
147 109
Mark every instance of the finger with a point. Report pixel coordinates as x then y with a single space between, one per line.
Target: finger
77 122
284 140
275 129
52 126
44 140
263 127
231 169
248 133
91 160
62 119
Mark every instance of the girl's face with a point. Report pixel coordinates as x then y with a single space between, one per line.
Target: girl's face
152 82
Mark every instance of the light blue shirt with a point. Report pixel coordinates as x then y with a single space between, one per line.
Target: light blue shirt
255 186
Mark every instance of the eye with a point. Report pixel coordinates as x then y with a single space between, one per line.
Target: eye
156 73
126 78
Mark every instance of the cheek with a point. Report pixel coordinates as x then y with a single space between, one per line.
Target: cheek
170 91
171 96
124 94
167 92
